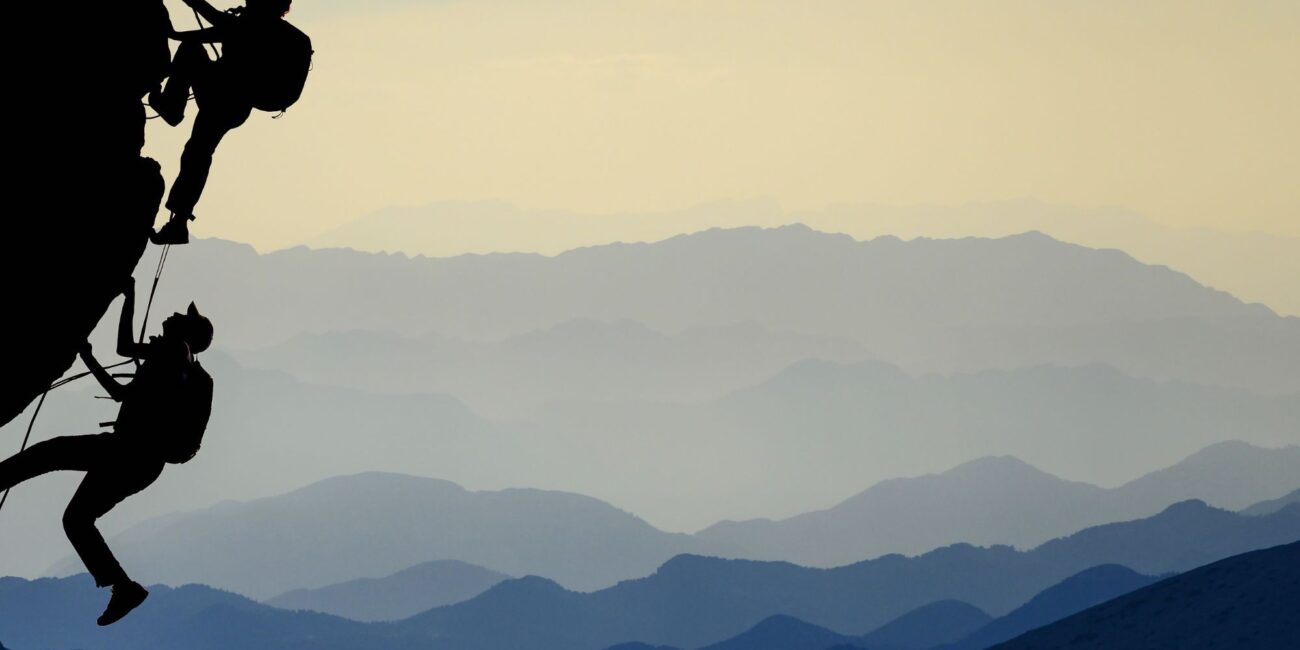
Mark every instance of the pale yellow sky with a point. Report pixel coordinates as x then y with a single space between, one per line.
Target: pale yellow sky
1182 111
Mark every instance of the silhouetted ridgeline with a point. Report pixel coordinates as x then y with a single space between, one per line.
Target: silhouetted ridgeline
1074 594
937 305
1003 500
1273 505
403 594
1247 602
446 228
927 626
781 633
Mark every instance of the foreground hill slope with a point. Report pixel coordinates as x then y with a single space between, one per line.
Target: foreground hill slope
1245 602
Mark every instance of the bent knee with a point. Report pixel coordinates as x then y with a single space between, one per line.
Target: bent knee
78 519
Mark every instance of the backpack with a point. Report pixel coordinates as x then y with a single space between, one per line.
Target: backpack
276 62
189 406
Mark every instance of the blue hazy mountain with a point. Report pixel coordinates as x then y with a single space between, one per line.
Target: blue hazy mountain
781 633
1218 534
693 601
1247 602
689 602
375 524
934 305
927 626
1273 505
1002 500
401 595
59 614
924 627
1074 594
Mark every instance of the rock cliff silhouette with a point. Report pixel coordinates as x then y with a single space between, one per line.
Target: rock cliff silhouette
82 197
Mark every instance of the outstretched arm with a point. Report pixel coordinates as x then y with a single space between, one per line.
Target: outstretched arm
126 345
209 12
115 390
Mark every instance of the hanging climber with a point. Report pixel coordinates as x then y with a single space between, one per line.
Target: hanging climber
164 412
263 65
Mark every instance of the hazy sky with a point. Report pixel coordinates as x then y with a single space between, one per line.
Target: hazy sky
1182 111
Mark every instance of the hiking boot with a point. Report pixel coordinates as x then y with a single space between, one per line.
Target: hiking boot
171 112
126 597
175 232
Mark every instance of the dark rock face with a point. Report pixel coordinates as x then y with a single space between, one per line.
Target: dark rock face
81 197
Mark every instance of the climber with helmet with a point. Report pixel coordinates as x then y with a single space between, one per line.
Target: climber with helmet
164 411
263 65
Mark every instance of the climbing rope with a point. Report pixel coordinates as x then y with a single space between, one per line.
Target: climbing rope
199 19
28 436
157 275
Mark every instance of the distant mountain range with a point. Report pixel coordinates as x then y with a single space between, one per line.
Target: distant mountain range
693 306
880 422
401 595
937 625
579 360
1247 602
1244 264
1002 500
619 390
693 601
689 602
1079 422
930 305
328 532
375 524
1273 505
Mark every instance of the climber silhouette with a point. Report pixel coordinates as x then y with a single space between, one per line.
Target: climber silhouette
263 65
163 414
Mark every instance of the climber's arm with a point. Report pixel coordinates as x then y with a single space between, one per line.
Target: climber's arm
115 390
209 12
126 346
